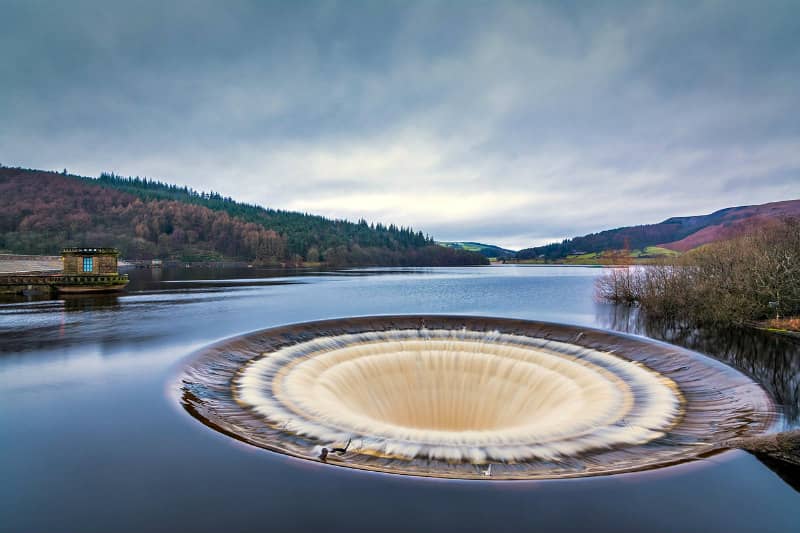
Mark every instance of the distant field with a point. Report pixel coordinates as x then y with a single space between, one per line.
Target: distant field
657 250
643 256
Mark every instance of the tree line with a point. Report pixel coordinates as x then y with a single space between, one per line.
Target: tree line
41 212
304 232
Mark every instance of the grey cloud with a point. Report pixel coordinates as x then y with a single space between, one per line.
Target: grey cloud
584 116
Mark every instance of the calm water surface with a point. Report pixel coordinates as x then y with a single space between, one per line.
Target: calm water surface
92 437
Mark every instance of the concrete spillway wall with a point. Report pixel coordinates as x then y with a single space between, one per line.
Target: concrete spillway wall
55 283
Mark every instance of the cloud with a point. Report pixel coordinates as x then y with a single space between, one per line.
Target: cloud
514 123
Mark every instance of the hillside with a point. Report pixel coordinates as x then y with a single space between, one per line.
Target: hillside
487 250
40 212
678 234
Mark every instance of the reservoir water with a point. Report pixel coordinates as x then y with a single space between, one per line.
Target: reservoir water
93 437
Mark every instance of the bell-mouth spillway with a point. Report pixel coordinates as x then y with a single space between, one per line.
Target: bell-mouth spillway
471 397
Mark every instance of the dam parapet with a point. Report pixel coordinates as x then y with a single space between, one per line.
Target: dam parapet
84 270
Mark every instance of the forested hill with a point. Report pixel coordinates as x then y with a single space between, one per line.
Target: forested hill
677 233
40 212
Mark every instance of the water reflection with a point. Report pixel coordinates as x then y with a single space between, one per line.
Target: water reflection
91 302
772 360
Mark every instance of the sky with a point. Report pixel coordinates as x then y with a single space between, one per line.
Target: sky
511 123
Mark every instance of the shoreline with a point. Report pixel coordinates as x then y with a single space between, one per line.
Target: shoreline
21 264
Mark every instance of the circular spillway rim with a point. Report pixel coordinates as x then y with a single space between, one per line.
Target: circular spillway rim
206 395
262 385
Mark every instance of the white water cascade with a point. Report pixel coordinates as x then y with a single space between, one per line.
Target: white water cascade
471 397
459 395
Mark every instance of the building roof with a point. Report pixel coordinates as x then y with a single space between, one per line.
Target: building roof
89 251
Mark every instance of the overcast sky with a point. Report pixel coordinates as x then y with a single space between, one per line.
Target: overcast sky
513 123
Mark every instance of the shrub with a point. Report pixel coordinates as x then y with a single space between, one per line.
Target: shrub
752 277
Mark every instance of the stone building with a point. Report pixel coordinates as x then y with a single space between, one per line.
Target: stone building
90 261
84 270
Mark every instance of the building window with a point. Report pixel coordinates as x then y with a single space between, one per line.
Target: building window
88 264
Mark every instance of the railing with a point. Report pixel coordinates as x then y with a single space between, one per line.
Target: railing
28 279
90 279
76 250
60 279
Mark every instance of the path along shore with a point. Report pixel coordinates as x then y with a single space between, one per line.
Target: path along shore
21 264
